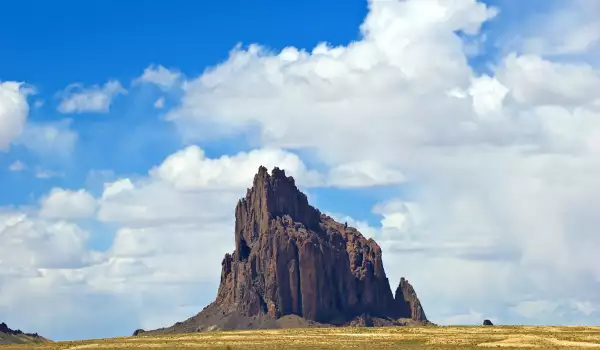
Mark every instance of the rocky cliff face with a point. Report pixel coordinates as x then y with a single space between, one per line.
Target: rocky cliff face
290 259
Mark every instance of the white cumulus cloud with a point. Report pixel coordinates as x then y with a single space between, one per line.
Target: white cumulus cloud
67 204
30 243
13 112
190 169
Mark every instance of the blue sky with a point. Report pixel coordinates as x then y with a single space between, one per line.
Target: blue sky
91 43
445 130
59 45
86 42
74 43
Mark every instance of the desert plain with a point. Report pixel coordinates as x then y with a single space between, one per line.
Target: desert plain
432 337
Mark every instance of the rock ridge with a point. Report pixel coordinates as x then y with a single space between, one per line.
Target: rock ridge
4 329
10 336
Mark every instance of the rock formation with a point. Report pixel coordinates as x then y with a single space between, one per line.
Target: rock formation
9 336
138 332
487 323
292 260
408 303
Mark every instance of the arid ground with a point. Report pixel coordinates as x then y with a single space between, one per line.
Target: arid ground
359 338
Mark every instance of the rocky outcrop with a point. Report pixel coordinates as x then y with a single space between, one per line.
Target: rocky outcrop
487 323
290 259
9 336
408 303
138 332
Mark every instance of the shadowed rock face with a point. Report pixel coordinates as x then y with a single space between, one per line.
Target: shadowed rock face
4 329
10 336
290 259
408 303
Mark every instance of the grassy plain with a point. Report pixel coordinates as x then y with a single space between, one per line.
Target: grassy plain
505 337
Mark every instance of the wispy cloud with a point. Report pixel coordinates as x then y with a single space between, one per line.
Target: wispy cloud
160 103
78 99
57 139
160 76
47 174
17 166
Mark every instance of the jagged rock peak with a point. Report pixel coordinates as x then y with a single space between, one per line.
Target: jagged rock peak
274 195
6 330
278 195
407 301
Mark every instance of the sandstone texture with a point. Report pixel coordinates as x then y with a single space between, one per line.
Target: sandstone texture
294 265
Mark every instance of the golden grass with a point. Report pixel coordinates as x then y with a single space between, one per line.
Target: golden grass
504 337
